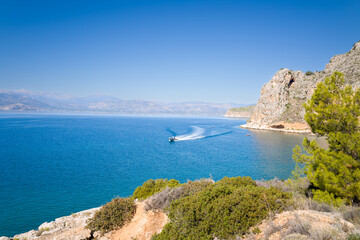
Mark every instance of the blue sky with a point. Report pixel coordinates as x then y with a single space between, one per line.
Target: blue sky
213 51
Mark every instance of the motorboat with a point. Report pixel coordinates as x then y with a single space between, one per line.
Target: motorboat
172 139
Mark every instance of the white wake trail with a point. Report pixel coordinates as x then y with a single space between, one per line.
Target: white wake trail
196 133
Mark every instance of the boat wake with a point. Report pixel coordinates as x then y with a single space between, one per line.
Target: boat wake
199 132
196 133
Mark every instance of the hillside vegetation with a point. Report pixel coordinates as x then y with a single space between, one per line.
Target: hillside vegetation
225 210
240 111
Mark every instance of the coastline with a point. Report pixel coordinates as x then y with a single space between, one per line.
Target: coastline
307 131
142 226
67 227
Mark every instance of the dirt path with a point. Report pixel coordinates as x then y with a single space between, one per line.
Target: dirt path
143 225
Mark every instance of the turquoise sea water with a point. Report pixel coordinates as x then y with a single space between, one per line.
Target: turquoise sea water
53 165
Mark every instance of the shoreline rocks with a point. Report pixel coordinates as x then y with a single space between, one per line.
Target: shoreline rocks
72 227
264 128
144 224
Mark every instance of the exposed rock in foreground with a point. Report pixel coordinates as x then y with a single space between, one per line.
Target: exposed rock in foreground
143 225
289 225
280 106
64 228
304 225
240 112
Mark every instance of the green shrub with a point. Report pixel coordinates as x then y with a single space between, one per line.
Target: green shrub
162 199
308 73
112 215
193 187
353 237
224 209
298 183
150 187
328 198
256 230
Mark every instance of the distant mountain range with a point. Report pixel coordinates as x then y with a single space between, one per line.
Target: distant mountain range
27 101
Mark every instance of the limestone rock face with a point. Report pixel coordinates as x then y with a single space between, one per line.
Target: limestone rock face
64 228
280 105
347 63
281 99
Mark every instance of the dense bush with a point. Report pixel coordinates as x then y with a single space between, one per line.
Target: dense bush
150 187
193 187
224 209
162 199
333 111
112 215
353 237
308 73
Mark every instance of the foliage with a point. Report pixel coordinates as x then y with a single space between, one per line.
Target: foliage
256 230
333 111
298 182
353 237
327 198
243 109
224 209
308 73
162 199
150 187
112 215
193 187
333 108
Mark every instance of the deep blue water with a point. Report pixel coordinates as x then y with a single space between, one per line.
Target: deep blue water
54 165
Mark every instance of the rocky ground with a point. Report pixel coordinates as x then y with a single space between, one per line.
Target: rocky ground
64 228
289 225
143 225
304 225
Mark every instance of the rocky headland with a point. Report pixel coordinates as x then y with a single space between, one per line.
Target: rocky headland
240 112
280 106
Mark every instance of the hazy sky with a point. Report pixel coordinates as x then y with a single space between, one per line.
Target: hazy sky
215 51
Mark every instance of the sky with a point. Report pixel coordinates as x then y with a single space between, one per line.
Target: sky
169 51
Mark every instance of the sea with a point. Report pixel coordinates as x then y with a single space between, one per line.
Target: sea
56 165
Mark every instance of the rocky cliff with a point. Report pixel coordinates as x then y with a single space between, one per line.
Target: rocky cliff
280 106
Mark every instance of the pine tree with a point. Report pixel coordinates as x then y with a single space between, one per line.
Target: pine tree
333 111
